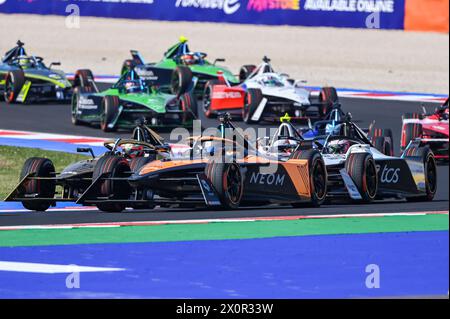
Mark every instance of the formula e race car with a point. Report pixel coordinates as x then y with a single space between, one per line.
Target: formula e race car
218 172
356 169
128 100
178 56
265 95
26 79
40 187
428 129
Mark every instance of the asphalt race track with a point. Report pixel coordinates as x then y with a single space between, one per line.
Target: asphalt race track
387 114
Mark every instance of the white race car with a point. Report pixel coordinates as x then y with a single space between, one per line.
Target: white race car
356 169
264 95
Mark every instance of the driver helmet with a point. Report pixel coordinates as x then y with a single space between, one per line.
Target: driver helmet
188 59
133 86
271 80
339 146
25 62
285 145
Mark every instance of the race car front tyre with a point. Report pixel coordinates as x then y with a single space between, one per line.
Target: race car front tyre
387 133
430 170
14 82
246 71
328 97
181 80
138 162
45 188
228 182
207 95
252 100
110 111
410 132
75 102
83 78
127 65
383 145
362 169
188 104
110 166
412 116
318 176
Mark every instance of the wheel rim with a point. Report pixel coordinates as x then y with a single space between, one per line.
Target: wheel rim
370 179
176 83
9 90
431 175
233 184
319 180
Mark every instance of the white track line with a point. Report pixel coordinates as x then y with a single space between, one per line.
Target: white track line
50 268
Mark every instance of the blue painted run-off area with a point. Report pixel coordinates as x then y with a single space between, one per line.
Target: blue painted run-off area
333 266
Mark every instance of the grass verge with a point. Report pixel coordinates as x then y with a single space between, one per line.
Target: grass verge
12 159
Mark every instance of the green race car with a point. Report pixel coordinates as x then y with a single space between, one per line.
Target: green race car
179 57
129 100
26 79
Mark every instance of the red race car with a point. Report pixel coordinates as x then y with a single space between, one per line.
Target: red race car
430 129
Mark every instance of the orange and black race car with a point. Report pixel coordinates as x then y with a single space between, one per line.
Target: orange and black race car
218 172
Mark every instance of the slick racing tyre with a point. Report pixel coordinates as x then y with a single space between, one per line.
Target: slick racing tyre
383 145
409 116
318 176
138 162
83 78
112 167
188 104
389 137
362 169
77 92
246 71
328 97
228 182
181 80
253 98
38 167
127 65
430 169
14 82
109 113
410 132
207 97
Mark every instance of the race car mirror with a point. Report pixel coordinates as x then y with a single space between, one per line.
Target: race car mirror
86 150
218 60
54 64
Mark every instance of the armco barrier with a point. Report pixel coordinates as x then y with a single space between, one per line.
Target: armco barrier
384 14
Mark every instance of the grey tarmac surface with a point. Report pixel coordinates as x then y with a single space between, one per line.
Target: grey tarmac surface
387 114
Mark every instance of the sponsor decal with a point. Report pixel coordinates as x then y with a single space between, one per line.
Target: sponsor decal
206 186
267 179
226 95
228 6
368 6
389 175
86 104
264 5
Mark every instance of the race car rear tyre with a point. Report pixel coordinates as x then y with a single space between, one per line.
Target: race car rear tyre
245 72
410 132
110 110
362 169
75 102
207 95
318 176
383 145
228 182
14 82
188 104
252 99
181 80
112 167
430 169
328 97
127 65
409 116
38 167
83 78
